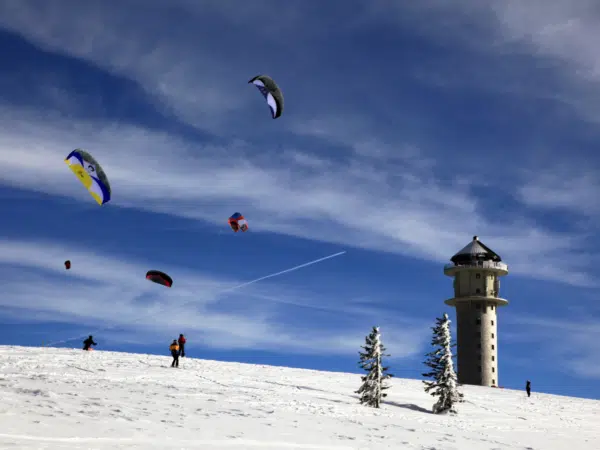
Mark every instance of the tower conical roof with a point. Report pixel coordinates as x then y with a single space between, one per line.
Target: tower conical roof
475 251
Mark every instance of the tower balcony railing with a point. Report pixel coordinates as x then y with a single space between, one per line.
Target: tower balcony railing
482 264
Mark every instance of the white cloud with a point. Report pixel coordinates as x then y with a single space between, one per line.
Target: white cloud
573 342
184 71
558 36
364 136
176 51
574 189
133 40
352 203
111 294
383 196
560 29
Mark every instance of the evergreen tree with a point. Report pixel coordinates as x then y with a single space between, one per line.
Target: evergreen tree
444 384
370 360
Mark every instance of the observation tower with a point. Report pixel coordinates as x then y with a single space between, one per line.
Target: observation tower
476 270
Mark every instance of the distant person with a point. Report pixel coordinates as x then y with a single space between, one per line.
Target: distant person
174 347
181 341
528 388
88 343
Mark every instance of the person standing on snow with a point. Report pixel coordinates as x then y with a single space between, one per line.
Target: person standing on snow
528 388
174 347
181 341
88 343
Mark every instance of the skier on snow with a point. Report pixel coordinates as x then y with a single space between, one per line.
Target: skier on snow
181 341
174 347
528 388
88 343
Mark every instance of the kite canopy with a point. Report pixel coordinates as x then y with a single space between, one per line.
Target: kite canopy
159 277
271 92
67 264
91 175
237 222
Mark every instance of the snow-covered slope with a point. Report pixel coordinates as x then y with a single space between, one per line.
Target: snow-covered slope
70 399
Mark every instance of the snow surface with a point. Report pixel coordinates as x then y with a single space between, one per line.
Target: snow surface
70 399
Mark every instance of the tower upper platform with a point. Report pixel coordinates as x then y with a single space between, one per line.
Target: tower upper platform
476 255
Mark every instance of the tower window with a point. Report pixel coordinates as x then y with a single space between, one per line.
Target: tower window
493 358
477 276
494 382
477 291
493 347
492 335
492 307
479 345
478 321
493 369
479 367
492 323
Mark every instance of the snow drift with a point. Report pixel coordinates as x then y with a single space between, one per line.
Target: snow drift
69 399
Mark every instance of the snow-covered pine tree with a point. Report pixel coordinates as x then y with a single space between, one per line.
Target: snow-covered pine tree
444 384
371 391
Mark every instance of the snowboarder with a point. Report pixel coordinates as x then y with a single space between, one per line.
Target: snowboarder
181 341
174 347
88 343
528 388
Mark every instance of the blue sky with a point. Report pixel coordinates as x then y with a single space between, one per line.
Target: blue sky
406 131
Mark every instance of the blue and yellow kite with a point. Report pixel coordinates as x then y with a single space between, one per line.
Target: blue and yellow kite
91 175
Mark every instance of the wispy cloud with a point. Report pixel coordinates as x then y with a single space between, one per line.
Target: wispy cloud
573 341
378 191
573 190
208 86
134 40
406 212
532 48
107 292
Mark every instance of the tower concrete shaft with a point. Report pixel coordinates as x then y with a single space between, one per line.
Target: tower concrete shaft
476 270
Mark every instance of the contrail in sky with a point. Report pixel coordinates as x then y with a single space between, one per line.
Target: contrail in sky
282 272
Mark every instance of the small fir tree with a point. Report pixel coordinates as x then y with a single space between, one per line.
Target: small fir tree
444 384
371 391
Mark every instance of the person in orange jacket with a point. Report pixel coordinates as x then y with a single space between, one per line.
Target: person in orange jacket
174 347
181 341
